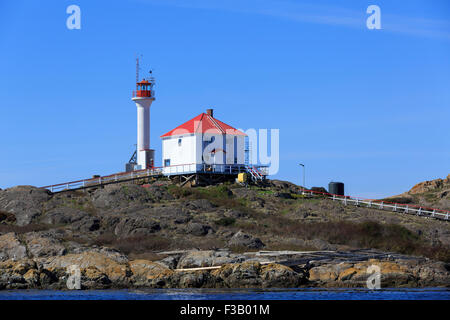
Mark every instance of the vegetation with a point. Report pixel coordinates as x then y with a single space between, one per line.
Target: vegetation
32 227
138 245
226 221
220 196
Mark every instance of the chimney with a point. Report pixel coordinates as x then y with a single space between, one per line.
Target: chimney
209 112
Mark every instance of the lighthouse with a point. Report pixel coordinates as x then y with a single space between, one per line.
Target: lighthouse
143 97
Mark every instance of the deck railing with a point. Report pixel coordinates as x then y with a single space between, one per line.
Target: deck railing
151 172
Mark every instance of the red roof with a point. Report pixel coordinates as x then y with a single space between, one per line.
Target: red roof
203 123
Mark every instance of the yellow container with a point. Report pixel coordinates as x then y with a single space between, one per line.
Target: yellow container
242 177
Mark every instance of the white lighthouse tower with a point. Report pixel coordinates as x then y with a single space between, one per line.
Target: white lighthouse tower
143 97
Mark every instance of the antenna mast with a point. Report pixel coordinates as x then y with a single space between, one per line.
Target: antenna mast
137 71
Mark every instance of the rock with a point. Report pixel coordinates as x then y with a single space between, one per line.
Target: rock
110 253
283 195
325 273
43 246
320 244
170 261
120 195
11 280
241 239
279 276
198 229
11 247
171 211
25 202
285 186
116 272
63 215
134 226
86 224
195 279
148 273
93 278
426 186
398 273
7 217
319 189
235 214
240 275
199 205
159 192
18 274
32 277
207 258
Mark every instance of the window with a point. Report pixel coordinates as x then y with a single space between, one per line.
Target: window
166 162
179 142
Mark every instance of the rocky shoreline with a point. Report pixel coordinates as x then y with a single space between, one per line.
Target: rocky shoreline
158 235
104 268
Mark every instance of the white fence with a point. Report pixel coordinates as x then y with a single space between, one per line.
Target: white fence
395 207
98 181
169 170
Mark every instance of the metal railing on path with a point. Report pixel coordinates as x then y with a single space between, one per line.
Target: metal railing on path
386 205
233 169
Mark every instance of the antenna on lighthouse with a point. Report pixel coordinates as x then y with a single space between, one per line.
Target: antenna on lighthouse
137 71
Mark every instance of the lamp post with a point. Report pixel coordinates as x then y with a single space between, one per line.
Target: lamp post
301 164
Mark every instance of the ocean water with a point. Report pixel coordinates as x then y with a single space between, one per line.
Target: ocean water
231 294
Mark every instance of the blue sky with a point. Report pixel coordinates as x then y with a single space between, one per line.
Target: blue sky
370 108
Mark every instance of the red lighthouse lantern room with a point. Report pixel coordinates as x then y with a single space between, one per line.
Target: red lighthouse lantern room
144 89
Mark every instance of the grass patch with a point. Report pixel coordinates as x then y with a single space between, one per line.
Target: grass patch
225 222
220 196
32 227
371 234
145 245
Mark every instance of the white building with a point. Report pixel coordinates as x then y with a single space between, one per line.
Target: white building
203 144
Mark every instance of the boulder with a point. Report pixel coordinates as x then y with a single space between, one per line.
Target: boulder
196 279
285 186
116 272
410 273
110 253
93 278
11 247
240 275
25 202
170 261
235 214
426 186
275 275
199 205
241 239
148 273
43 246
86 224
120 195
136 226
159 192
63 215
206 258
198 229
320 244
